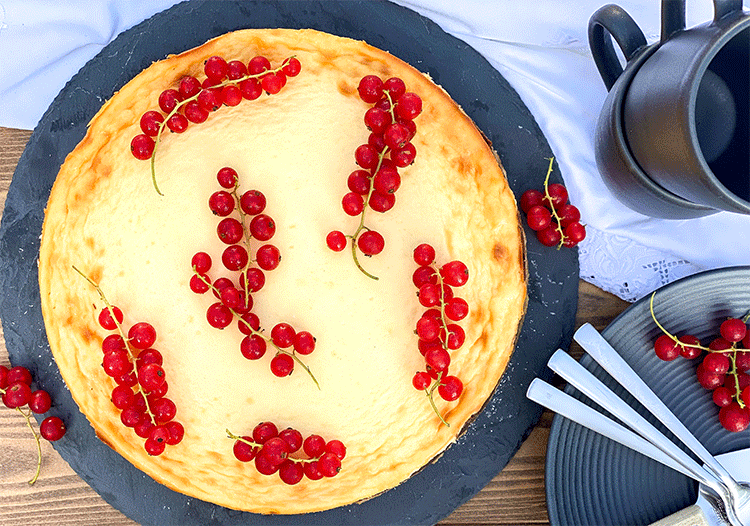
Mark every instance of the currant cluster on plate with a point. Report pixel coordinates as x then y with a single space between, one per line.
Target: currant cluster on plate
388 148
243 226
551 216
723 367
227 83
288 454
17 393
141 382
437 329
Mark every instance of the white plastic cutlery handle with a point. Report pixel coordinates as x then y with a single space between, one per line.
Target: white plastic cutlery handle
565 405
585 381
603 353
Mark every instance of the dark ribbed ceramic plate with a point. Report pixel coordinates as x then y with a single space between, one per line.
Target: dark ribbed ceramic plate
493 436
592 480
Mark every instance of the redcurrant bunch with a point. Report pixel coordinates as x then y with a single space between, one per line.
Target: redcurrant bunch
192 100
723 368
437 329
286 453
16 392
243 225
141 383
373 185
551 216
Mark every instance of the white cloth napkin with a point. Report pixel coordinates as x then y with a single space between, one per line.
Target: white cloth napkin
540 47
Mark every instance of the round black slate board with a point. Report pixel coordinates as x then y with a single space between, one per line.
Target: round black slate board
592 480
495 434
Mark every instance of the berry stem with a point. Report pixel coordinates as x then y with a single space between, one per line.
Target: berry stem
261 335
430 392
124 337
27 416
183 102
552 207
665 331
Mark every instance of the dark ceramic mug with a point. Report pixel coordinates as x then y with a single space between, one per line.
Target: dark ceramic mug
686 112
617 166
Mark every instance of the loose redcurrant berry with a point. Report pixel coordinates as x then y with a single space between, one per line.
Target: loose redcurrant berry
227 177
151 123
733 330
450 388
370 89
282 365
268 257
262 227
142 335
142 147
304 343
52 428
455 273
421 381
40 401
253 202
230 231
371 243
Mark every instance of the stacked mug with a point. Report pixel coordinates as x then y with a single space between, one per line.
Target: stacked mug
673 137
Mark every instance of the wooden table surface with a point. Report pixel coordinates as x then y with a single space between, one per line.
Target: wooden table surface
514 497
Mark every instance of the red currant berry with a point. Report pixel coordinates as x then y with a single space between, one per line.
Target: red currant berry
52 428
3 377
424 254
424 275
377 120
429 295
275 450
142 335
216 68
231 95
122 397
250 89
456 309
262 227
273 82
557 195
409 106
268 257
142 147
438 359
227 177
428 328
113 342
304 343
574 233
396 136
176 432
200 283
264 432
734 418
221 203
265 466
236 69
177 123
253 202
291 67
153 447
719 344
253 347
19 373
329 465
210 99
151 123
404 156
538 218
745 395
253 279
366 156
722 397
381 202
128 379
40 401
450 388
386 181
456 336
293 439
189 87
395 87
531 198
168 100
716 363
164 410
568 214
201 262
421 381
337 448
690 347
311 470
116 363
371 243
234 257
549 237
291 472
106 320
195 113
733 330
283 335
370 89
742 361
376 141
258 64
455 273
219 315
425 347
16 395
359 182
230 231
314 446
666 348
708 380
282 365
336 241
151 377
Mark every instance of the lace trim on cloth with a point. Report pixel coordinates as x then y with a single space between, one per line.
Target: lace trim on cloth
605 259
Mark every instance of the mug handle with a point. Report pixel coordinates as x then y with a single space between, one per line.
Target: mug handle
615 21
673 14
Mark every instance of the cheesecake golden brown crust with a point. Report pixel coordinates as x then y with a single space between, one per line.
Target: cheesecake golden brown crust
297 147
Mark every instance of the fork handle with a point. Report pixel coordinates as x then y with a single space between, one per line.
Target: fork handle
690 516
